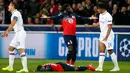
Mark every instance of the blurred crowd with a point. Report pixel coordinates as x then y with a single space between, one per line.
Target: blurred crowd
33 10
2 12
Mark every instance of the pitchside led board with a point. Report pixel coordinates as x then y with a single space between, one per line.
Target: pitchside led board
88 47
52 46
124 47
34 46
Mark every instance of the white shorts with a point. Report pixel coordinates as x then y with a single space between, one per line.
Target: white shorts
109 43
19 40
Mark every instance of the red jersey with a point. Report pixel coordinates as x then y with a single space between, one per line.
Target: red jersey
56 67
68 22
69 25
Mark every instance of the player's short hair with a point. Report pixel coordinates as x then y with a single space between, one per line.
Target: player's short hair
103 5
65 6
39 67
14 4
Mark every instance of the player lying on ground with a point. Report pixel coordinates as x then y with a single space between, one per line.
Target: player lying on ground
60 67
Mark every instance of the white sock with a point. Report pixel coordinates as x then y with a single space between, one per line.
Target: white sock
114 59
101 59
24 61
11 59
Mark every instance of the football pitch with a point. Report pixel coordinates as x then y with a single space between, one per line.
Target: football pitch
33 63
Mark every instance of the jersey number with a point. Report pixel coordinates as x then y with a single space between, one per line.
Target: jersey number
70 20
109 45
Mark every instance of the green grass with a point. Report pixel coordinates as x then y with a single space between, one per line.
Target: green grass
32 64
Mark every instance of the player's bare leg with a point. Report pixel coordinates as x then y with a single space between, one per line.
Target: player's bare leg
23 60
11 59
101 57
114 59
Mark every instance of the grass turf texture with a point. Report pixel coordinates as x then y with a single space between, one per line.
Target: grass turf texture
33 63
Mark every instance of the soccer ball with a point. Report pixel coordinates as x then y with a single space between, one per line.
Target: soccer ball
125 48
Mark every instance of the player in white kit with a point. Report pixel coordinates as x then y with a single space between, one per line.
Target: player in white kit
18 40
106 36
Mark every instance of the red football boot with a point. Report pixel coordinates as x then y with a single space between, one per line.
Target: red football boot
90 67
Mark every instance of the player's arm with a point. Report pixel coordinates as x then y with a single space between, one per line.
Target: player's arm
84 18
108 32
11 25
109 25
60 15
13 22
92 26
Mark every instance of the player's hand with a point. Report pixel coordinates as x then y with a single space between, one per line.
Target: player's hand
105 39
4 34
93 17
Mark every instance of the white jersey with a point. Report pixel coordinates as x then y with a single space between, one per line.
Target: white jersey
104 20
20 36
19 21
